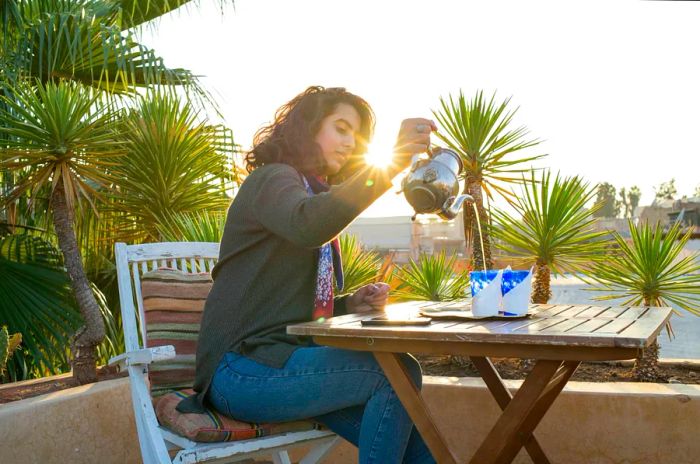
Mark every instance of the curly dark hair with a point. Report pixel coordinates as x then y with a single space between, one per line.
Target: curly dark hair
290 138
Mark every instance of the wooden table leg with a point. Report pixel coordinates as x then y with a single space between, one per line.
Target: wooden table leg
413 402
550 394
503 397
524 411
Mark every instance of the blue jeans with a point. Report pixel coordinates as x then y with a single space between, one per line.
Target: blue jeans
345 390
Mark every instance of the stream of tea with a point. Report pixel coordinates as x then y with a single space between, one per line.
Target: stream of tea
481 237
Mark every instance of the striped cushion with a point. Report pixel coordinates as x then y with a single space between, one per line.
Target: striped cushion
213 426
173 302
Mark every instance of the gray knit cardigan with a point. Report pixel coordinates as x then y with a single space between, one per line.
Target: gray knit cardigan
266 274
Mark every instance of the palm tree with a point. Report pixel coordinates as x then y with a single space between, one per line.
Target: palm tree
634 195
432 278
650 271
478 130
175 165
87 41
554 230
62 139
92 42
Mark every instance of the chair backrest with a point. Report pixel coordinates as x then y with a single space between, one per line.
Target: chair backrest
134 260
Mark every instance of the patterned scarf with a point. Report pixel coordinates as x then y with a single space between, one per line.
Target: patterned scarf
329 262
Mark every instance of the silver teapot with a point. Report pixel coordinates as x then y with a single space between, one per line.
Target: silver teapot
432 184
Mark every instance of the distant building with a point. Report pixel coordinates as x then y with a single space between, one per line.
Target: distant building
404 238
435 235
619 225
396 235
686 211
656 212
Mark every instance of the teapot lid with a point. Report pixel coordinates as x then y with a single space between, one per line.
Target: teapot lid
440 151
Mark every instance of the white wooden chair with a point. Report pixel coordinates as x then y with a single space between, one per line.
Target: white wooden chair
155 441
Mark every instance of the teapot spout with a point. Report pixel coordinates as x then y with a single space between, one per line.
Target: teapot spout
452 206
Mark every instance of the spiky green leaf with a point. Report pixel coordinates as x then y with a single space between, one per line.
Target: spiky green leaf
431 277
651 269
360 266
552 225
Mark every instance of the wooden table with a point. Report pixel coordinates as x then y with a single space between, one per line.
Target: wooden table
558 337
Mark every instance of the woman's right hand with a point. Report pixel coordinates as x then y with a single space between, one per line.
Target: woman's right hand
413 138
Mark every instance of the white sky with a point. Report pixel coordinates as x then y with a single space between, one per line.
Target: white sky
612 87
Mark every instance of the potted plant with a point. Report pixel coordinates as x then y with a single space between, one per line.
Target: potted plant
649 270
479 131
552 230
432 278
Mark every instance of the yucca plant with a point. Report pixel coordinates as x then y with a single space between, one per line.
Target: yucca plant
360 266
479 130
432 278
174 165
91 42
553 230
62 138
202 226
650 271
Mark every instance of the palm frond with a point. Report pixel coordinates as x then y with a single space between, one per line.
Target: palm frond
36 301
360 266
89 42
198 226
137 12
70 46
650 269
175 164
431 277
57 133
554 228
478 130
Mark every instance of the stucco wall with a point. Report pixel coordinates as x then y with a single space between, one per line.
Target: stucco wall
88 424
589 423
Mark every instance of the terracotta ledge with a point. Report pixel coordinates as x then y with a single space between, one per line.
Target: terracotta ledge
25 383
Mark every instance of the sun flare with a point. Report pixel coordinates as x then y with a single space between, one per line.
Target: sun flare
379 155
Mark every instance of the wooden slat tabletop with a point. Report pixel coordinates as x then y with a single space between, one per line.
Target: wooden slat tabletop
579 325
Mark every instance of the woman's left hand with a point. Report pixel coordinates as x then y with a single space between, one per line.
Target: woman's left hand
370 297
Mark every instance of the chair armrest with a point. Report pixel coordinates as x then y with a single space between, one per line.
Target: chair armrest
144 356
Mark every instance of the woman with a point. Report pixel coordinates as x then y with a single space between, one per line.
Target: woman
278 257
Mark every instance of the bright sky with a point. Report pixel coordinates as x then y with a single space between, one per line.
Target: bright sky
610 86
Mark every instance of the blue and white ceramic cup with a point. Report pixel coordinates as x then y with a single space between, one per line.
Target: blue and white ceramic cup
486 292
515 288
479 279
